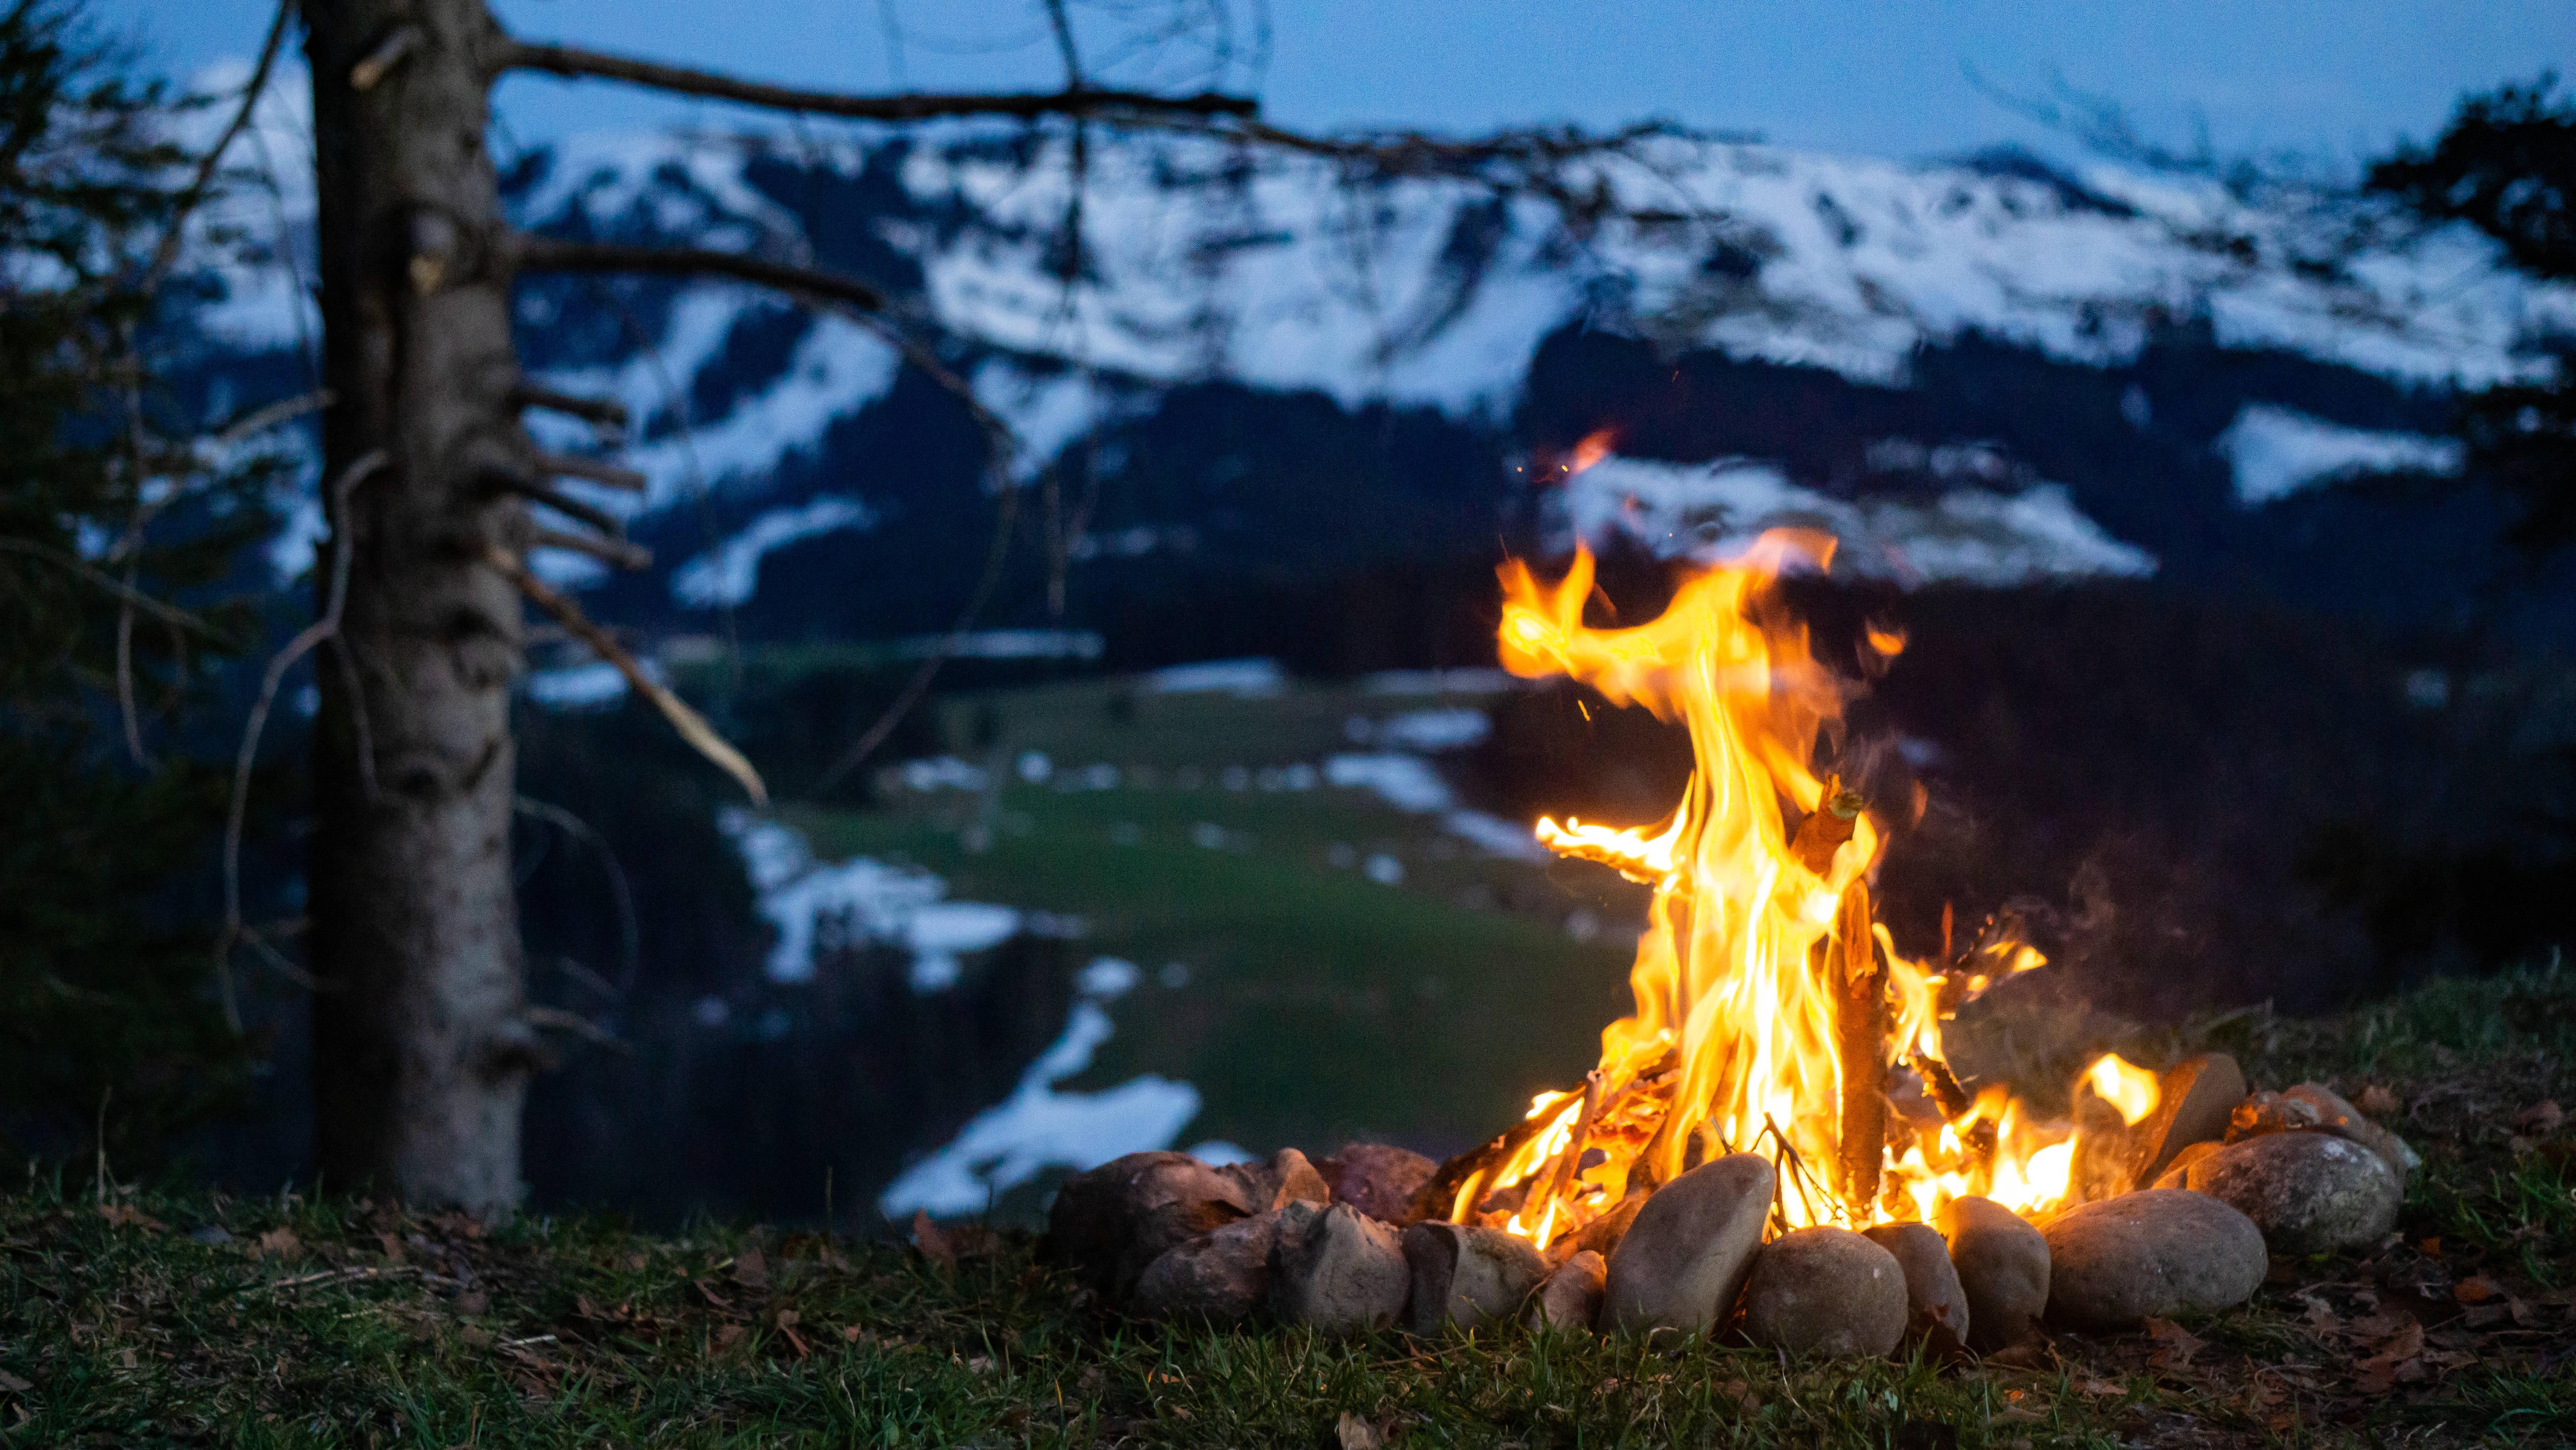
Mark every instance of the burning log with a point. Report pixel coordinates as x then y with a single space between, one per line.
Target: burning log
1860 1041
1828 826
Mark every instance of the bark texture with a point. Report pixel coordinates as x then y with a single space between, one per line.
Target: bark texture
422 1048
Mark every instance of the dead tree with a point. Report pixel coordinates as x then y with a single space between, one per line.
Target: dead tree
424 1039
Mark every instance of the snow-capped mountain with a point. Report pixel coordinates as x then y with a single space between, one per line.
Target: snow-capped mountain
2143 349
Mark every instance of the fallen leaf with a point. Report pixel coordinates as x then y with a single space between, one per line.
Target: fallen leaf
2541 1118
2175 1344
730 1335
13 1384
751 1270
1353 1433
280 1243
930 1243
2405 1344
126 1215
2431 1248
2376 1101
980 1364
2475 1289
2098 1387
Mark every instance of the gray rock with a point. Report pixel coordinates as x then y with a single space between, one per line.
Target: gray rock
214 1235
1223 1276
1273 1184
1109 1223
1464 1276
1378 1179
1684 1258
2310 1193
2155 1253
2177 1174
2003 1270
1571 1297
2341 1118
2193 1099
1337 1270
1826 1291
1935 1302
2265 1113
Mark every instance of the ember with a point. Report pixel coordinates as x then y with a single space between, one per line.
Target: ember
1773 1014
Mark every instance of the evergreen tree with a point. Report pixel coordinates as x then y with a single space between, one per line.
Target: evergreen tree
2507 166
115 541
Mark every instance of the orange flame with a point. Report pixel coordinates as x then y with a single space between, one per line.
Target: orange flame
1759 947
2124 1085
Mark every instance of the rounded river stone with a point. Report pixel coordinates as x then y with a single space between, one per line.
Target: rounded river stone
2154 1253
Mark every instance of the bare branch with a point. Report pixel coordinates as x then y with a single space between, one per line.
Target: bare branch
502 480
553 254
167 613
260 420
574 63
629 934
343 546
599 471
166 256
381 61
599 412
692 726
615 553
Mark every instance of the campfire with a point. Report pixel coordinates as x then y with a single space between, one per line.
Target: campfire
1774 1144
1774 1014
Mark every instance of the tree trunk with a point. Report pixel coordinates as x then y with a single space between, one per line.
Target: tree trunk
422 1050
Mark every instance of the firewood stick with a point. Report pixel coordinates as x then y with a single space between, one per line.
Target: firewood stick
1822 833
1860 1032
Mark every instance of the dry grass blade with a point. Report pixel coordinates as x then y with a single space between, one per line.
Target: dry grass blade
692 726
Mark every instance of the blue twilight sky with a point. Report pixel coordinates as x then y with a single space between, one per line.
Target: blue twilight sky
2330 79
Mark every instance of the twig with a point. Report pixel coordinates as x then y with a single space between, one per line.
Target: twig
576 1024
343 545
168 614
563 503
260 420
600 412
380 62
535 253
616 553
574 63
166 256
351 1274
915 687
599 471
692 726
628 937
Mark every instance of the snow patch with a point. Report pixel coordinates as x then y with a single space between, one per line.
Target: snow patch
1243 679
1040 1126
1712 511
2276 452
730 572
903 905
586 687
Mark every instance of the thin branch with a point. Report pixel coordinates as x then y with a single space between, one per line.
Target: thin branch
574 63
343 547
615 553
598 412
594 470
167 613
629 936
861 302
260 420
553 254
579 1026
913 689
692 726
504 481
379 63
166 256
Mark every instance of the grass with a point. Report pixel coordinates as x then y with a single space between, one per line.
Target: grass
340 1322
1311 1003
